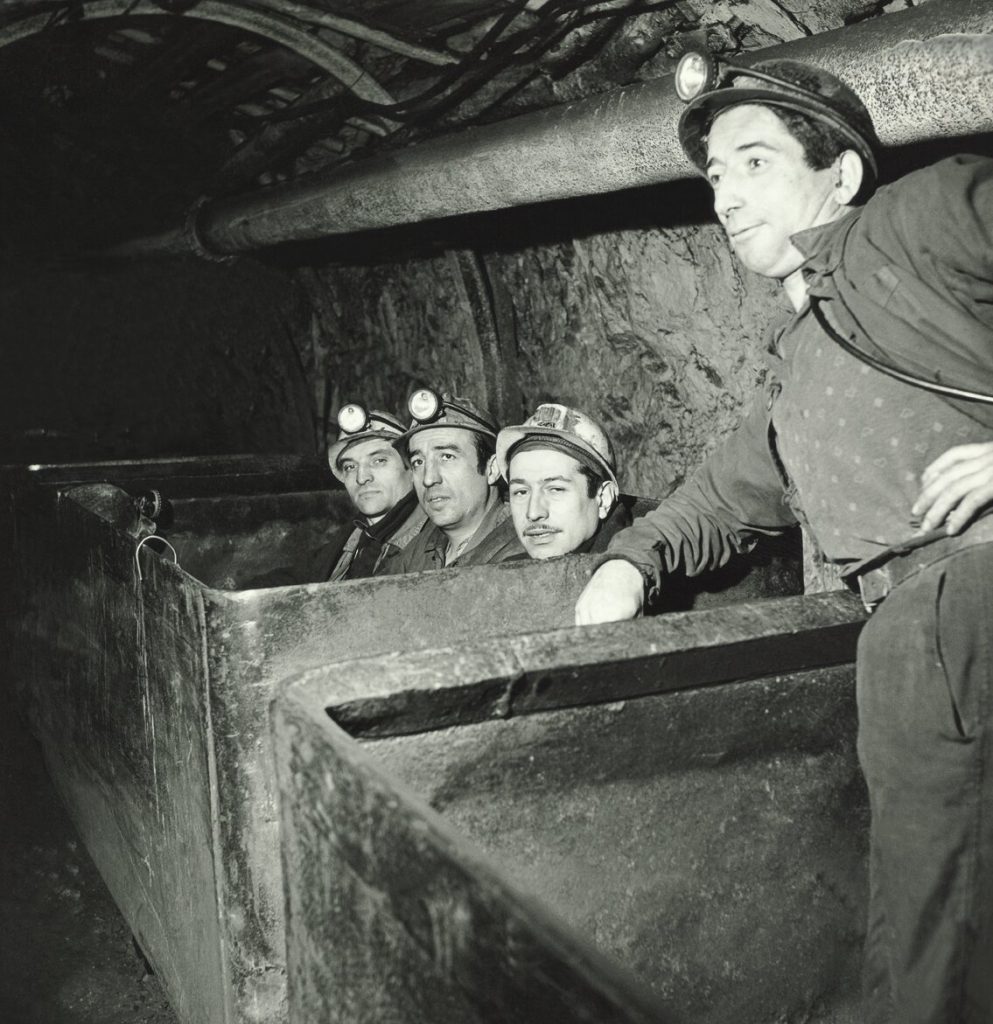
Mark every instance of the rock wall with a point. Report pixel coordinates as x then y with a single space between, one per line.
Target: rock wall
655 330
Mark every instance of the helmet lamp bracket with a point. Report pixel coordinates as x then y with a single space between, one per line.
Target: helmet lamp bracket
699 71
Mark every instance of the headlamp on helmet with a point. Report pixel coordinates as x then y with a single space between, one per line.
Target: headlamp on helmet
353 418
424 405
709 88
695 73
698 72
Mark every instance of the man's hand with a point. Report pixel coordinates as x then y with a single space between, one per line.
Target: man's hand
615 591
956 487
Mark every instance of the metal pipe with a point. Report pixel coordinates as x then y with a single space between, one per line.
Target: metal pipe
924 73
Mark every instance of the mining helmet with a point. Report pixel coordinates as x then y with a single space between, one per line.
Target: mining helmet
356 424
429 408
709 88
563 429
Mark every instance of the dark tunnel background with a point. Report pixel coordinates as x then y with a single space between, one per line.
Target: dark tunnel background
627 304
113 126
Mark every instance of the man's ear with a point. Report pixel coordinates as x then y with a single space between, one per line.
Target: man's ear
848 174
606 498
492 471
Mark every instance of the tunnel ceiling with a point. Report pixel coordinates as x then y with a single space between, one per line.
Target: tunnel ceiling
116 115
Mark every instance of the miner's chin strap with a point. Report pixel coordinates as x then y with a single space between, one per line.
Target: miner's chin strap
892 371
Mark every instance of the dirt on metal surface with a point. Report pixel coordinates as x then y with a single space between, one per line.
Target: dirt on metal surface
66 954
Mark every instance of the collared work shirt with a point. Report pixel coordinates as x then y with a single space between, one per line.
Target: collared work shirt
855 443
916 266
494 541
371 547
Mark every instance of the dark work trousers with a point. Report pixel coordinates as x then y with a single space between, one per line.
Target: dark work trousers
925 694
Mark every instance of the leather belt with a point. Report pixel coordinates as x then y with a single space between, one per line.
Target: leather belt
877 578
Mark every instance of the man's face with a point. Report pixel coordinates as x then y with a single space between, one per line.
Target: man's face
374 476
449 486
550 503
764 190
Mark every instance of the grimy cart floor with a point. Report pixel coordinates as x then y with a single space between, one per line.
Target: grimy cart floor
65 951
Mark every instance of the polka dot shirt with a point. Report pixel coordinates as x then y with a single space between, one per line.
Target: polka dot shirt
855 441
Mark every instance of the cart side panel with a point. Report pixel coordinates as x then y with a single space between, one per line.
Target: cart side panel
684 793
113 672
256 638
712 840
242 640
417 925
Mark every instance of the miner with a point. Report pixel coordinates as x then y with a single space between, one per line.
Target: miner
450 448
876 431
380 487
563 494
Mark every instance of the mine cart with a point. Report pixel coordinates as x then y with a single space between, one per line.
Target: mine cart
658 821
149 671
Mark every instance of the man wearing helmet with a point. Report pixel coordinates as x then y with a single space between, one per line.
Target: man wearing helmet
380 487
378 483
449 447
876 431
560 468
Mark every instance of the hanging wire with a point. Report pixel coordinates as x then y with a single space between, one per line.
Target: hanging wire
893 371
488 57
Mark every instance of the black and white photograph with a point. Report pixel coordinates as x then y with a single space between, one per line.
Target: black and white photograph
496 511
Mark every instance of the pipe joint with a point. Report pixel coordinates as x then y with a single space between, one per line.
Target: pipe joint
194 236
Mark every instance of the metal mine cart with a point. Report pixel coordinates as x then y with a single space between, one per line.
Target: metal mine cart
486 814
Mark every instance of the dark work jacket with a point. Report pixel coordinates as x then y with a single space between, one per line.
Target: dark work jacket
908 277
369 550
494 541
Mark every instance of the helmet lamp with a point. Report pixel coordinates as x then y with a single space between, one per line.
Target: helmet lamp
352 418
797 86
696 72
424 405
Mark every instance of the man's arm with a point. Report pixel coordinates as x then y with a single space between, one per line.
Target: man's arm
735 497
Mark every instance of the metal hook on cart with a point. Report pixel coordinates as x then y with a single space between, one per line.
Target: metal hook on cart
145 540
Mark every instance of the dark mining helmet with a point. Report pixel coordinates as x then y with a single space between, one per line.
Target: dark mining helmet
708 87
429 408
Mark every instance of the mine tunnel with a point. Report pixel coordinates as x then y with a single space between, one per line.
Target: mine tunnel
426 798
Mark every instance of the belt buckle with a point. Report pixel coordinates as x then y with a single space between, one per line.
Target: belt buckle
873 587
